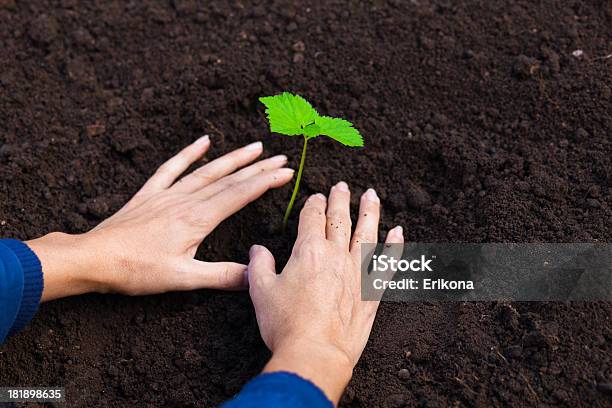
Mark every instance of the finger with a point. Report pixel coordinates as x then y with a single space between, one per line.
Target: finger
262 266
367 223
338 214
215 275
393 248
395 236
218 168
227 202
312 217
272 163
170 170
389 248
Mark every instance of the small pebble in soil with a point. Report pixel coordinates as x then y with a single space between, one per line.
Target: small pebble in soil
404 374
577 53
98 207
192 356
83 37
267 28
291 27
114 103
426 43
5 151
526 67
349 395
147 95
470 54
95 130
298 58
594 191
560 395
299 46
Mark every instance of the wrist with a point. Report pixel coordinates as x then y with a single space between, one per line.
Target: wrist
69 265
325 365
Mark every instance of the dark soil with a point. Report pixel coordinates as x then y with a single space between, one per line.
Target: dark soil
481 125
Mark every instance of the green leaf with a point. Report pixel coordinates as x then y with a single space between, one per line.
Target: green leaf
312 130
289 114
340 130
292 115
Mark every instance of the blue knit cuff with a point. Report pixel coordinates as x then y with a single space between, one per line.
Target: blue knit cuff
280 389
32 283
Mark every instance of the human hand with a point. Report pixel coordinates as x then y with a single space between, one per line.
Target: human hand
311 316
149 245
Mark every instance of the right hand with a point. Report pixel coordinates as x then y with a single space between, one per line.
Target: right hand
311 316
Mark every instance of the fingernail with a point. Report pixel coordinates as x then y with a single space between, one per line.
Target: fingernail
286 172
398 231
254 146
371 195
204 139
253 250
279 158
342 186
318 196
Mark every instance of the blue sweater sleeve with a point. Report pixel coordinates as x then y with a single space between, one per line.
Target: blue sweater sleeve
280 389
21 284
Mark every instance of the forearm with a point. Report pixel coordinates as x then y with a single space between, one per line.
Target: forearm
327 367
69 265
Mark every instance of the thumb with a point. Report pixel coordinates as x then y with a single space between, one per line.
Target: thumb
217 275
262 266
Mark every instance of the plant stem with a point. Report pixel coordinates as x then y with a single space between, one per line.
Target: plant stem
297 184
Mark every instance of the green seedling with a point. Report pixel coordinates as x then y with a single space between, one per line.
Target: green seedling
292 115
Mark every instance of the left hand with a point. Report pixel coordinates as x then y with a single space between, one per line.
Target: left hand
149 245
